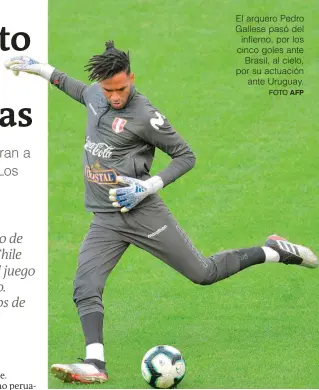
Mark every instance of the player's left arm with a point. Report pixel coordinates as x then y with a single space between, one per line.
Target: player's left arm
157 131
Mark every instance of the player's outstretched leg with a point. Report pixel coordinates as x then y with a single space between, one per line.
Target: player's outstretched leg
290 253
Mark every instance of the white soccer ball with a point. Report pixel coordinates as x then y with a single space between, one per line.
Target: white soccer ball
163 367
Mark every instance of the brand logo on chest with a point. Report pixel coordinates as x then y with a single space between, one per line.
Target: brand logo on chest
100 149
96 174
118 125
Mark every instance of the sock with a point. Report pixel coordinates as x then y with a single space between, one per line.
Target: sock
92 325
95 351
271 254
250 256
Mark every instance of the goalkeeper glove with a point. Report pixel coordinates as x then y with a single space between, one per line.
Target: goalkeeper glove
29 65
137 190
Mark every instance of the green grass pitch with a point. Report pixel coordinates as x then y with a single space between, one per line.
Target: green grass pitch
256 174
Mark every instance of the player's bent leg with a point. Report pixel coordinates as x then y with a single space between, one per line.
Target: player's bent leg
160 234
157 231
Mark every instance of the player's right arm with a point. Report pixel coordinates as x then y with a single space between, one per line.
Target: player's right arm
73 88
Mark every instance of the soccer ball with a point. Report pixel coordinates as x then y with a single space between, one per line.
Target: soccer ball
163 367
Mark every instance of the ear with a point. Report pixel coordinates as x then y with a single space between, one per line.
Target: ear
132 77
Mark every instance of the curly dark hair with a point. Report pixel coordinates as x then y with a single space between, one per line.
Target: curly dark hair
108 64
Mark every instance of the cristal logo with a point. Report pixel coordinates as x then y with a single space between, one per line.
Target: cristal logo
96 174
98 149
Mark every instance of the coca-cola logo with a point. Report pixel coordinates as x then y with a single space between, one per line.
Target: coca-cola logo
100 149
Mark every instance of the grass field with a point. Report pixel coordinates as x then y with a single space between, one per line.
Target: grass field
256 173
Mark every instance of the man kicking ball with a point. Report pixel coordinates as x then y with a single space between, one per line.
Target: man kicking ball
123 130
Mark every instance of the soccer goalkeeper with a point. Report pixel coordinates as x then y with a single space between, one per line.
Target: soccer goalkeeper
123 129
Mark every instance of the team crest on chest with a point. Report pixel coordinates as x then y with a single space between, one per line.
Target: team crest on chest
118 125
